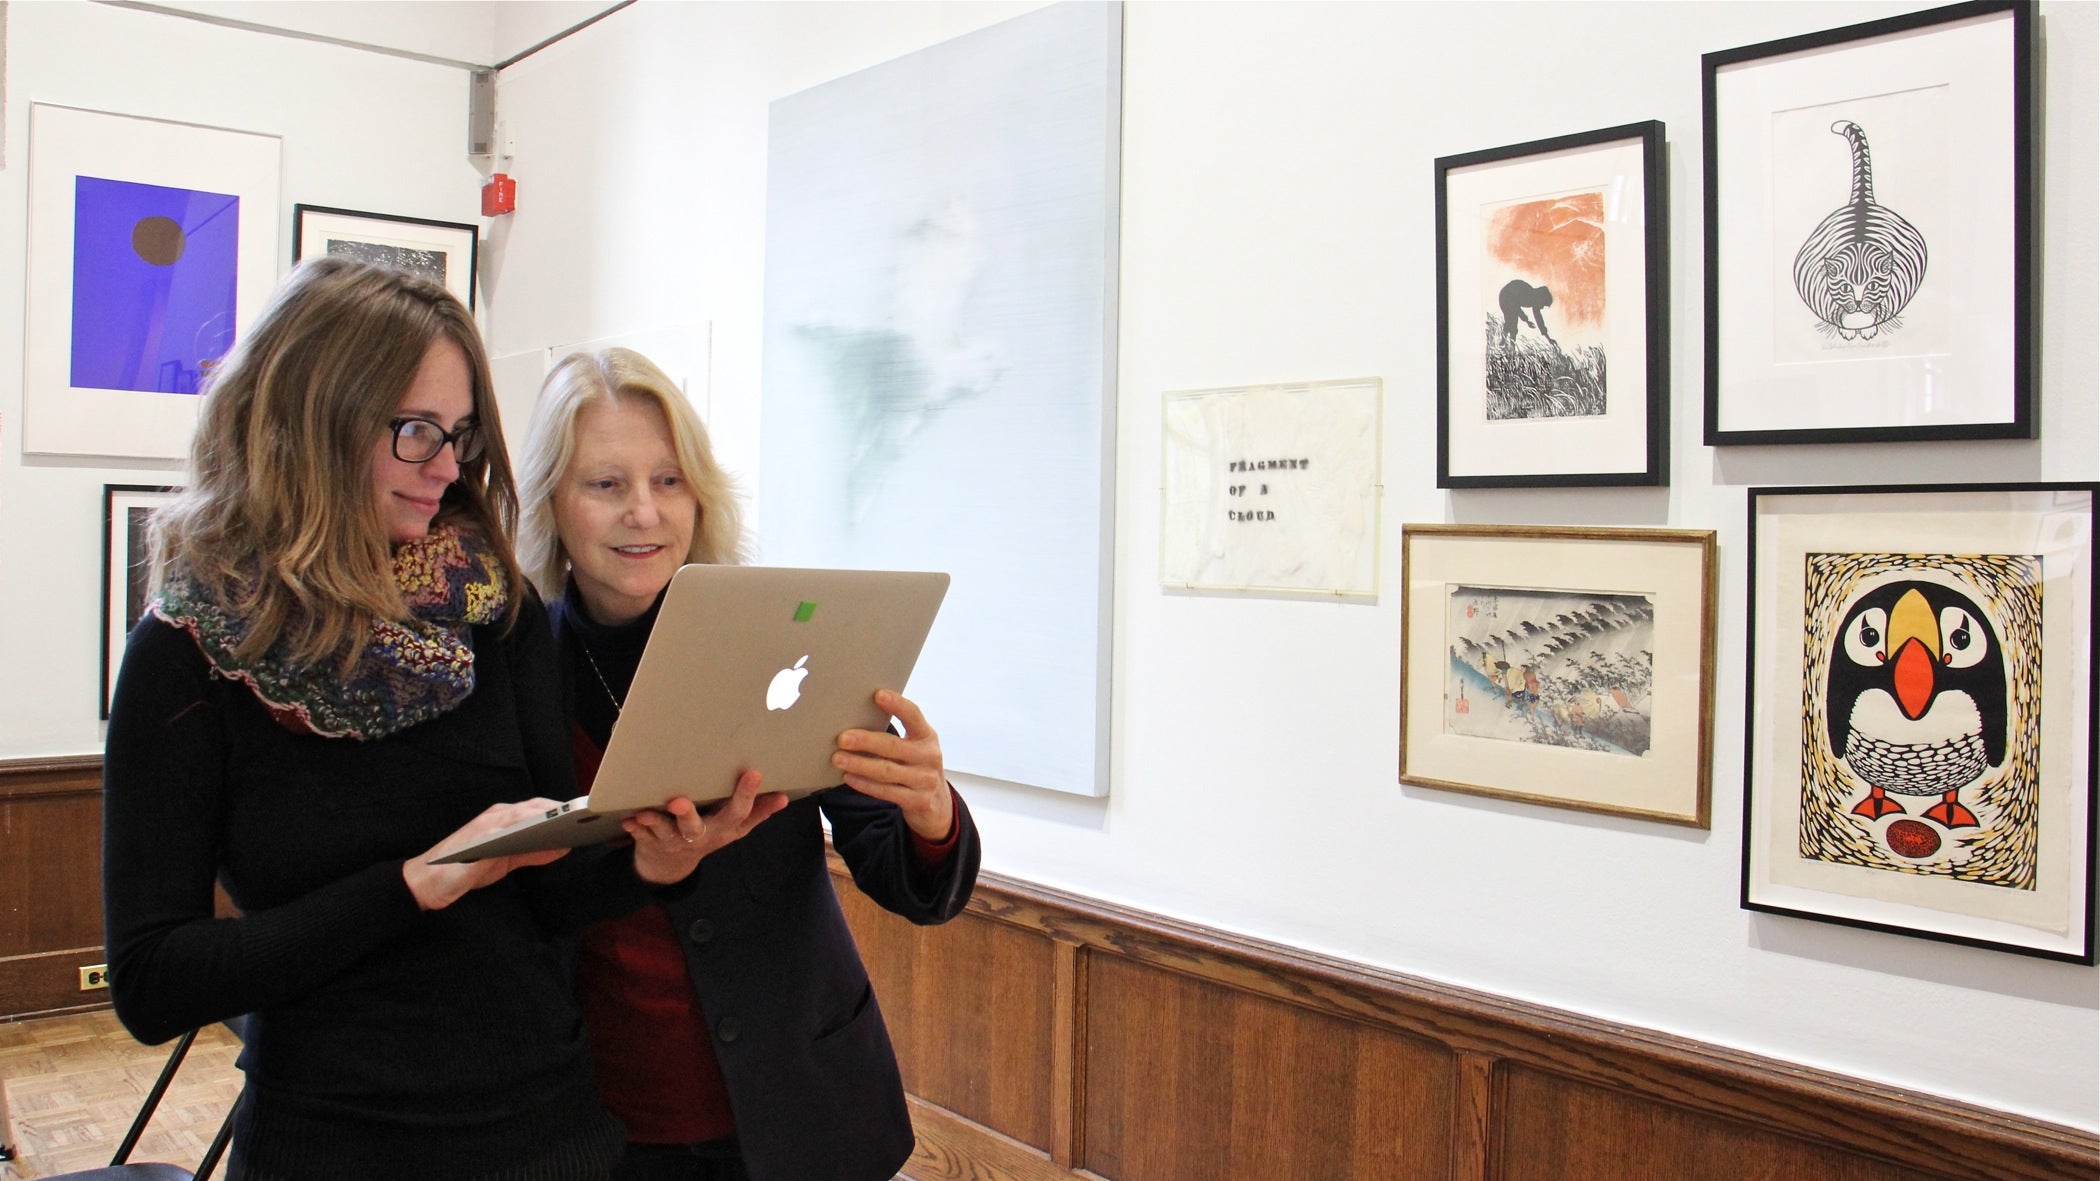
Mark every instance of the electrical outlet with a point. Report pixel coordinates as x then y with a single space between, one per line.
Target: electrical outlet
94 976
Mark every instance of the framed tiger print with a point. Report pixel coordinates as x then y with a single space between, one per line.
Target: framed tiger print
1553 323
1870 267
1921 712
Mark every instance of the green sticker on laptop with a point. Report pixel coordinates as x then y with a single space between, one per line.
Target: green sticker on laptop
805 612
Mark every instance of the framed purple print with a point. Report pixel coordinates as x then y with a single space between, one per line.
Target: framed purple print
1552 263
151 244
155 272
1869 250
1921 712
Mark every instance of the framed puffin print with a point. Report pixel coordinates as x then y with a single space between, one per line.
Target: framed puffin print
1869 231
1921 712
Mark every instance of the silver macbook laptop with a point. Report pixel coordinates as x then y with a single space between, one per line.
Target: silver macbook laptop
757 667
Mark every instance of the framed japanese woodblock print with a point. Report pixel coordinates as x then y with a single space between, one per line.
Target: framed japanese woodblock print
445 252
1552 262
126 569
1562 666
1921 712
1869 251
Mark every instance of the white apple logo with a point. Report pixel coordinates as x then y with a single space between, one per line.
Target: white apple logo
786 688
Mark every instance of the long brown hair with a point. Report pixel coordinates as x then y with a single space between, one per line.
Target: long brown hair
279 522
587 378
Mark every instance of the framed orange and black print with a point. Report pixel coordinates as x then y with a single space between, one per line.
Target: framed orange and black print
1553 341
1921 712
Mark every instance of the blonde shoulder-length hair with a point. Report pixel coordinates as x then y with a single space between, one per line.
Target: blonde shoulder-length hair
279 521
586 379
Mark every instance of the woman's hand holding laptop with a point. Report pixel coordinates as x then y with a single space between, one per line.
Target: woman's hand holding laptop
669 844
904 771
439 886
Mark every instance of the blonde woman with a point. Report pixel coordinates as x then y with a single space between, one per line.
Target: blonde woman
344 673
731 1024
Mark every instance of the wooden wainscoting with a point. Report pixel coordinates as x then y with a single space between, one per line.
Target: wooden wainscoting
50 884
1050 1037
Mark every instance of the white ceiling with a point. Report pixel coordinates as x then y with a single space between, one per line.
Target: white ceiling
481 32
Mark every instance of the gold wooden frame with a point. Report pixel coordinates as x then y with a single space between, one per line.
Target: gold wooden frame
1672 781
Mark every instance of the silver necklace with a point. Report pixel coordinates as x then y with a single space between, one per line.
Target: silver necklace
619 706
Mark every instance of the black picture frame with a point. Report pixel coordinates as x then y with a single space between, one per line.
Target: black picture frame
421 245
1998 852
1535 441
1883 326
125 570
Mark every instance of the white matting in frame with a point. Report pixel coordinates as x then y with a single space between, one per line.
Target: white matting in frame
1600 181
127 511
1563 666
137 283
1272 488
445 252
1868 245
1833 830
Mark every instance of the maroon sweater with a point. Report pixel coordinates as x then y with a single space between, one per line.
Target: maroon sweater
655 1065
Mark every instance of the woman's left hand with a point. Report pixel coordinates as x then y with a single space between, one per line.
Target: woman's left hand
905 771
670 842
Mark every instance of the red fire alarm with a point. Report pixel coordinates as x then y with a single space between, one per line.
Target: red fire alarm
499 196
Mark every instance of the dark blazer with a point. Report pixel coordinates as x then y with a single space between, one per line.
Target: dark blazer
812 1078
811 1075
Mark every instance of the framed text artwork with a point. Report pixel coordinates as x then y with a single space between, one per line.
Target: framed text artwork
1552 262
1869 244
1921 712
126 571
1562 666
150 245
445 252
1272 488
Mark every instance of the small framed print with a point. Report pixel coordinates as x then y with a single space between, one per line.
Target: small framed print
1552 263
126 569
1869 244
1921 712
1561 666
445 252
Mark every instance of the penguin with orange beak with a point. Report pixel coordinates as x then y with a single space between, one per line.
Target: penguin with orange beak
1916 700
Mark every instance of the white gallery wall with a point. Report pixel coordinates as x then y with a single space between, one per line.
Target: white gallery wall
360 130
1276 227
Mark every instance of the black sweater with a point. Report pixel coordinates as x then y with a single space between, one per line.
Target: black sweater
385 1040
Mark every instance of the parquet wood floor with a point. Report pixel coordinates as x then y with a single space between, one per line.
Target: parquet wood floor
75 1082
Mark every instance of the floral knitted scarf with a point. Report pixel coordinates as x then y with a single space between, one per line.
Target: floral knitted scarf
410 672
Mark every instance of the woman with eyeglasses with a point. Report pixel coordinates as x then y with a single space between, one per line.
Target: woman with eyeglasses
344 674
732 1025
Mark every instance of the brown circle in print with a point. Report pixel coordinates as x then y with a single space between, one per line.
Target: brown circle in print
158 240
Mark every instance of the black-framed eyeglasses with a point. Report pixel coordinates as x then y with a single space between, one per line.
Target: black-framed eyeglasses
418 440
